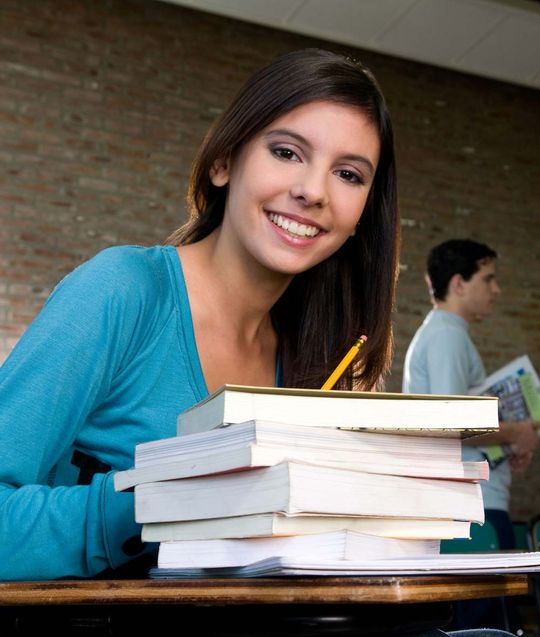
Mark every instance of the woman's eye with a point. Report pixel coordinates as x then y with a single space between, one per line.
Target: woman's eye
285 153
351 177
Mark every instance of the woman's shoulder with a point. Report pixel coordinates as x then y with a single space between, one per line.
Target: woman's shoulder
129 260
118 266
129 275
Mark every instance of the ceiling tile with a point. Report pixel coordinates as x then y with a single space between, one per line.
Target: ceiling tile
348 21
271 12
439 31
511 51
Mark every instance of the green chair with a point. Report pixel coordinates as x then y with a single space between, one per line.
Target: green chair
483 539
521 535
534 534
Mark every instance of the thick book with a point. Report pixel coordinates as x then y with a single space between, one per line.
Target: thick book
278 524
259 443
343 409
337 545
294 487
447 564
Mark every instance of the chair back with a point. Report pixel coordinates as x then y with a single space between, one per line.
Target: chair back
534 534
521 535
483 539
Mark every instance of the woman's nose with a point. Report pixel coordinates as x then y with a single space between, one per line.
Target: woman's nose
311 189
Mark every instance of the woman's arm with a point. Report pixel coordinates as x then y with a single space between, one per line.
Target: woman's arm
61 369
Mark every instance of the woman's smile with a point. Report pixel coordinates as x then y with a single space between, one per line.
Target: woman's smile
293 227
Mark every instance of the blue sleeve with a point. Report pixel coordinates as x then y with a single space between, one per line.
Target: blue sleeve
447 361
59 371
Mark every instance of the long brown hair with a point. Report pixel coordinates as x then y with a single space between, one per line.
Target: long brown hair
325 309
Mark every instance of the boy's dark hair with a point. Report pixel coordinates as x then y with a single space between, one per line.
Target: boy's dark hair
456 256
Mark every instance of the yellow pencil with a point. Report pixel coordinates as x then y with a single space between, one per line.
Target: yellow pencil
345 362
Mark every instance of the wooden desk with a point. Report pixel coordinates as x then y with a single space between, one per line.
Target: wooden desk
274 607
219 592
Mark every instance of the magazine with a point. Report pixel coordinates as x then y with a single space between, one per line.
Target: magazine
517 386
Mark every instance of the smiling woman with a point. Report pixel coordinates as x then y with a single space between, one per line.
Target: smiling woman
324 122
289 256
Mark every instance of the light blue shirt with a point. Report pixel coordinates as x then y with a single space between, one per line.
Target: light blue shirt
108 363
442 359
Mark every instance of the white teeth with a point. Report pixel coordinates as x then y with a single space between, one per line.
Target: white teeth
293 227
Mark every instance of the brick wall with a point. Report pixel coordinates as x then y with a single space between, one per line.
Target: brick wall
102 105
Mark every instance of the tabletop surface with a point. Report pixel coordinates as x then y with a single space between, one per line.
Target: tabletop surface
292 590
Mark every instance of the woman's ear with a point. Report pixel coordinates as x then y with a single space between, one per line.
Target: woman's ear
219 173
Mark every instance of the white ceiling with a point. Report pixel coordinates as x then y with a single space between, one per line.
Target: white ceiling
499 39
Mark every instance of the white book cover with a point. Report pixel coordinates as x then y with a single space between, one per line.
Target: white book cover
337 545
263 444
341 409
294 487
277 524
274 434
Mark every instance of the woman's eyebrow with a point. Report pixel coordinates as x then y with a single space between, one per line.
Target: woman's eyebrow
300 138
289 133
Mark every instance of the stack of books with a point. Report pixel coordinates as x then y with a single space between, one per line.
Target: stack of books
309 475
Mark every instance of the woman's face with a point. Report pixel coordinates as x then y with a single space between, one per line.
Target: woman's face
297 189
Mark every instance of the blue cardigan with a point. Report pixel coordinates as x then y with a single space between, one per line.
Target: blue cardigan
108 363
